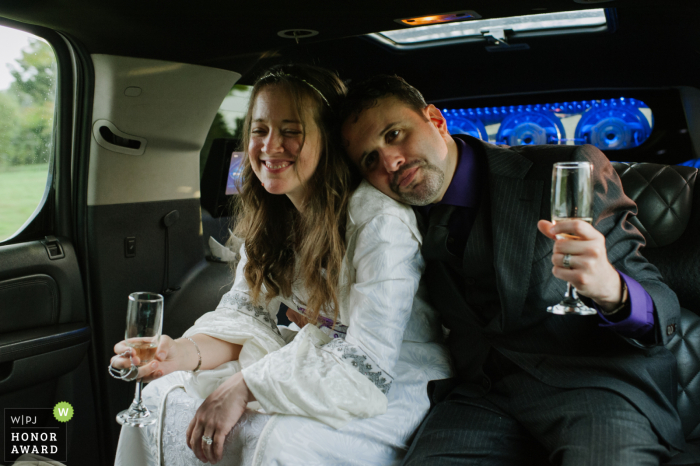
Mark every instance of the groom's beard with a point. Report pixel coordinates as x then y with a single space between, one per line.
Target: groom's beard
423 192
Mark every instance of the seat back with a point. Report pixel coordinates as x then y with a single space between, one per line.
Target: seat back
216 219
214 176
669 219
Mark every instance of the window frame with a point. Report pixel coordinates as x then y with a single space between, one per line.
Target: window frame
52 215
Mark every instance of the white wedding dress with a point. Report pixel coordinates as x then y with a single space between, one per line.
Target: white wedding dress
353 394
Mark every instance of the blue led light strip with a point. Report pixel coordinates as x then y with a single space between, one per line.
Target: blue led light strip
609 124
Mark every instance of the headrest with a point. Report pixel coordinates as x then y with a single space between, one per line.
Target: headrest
214 176
664 196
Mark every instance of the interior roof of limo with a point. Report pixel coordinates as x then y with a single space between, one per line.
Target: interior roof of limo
652 47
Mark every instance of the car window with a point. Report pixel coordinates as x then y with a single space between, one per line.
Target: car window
228 122
27 100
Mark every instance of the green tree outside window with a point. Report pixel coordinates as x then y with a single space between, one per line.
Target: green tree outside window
26 134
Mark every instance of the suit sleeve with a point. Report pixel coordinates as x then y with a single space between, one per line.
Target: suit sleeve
612 213
639 322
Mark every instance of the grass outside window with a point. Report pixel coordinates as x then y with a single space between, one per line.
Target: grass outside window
21 191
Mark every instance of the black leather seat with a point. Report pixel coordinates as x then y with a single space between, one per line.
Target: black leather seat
669 218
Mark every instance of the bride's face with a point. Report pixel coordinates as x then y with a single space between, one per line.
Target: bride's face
281 156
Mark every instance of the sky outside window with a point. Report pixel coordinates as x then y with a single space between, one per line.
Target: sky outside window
12 42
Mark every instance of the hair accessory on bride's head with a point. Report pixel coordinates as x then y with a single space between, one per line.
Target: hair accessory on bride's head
281 73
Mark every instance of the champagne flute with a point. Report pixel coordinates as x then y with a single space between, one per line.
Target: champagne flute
144 325
572 199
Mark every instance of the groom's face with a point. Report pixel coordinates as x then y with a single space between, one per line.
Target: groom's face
401 151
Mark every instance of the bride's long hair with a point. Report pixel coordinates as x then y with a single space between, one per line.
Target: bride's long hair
281 241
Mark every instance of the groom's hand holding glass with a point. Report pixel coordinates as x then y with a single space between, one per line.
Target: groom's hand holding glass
589 269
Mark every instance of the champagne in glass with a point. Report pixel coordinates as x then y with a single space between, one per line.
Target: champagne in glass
144 325
556 220
143 348
572 199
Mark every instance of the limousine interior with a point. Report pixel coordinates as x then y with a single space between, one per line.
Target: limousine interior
147 101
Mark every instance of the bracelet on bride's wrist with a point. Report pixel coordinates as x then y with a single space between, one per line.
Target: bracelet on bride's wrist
199 354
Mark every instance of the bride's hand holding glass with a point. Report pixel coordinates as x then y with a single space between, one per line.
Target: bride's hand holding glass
144 327
167 358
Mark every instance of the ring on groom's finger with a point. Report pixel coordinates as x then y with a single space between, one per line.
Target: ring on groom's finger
566 262
207 440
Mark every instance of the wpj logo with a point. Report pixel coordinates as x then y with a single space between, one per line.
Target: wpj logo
36 431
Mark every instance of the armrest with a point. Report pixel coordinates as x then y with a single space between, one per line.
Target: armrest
31 342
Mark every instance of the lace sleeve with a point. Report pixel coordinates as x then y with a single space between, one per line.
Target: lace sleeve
237 319
337 380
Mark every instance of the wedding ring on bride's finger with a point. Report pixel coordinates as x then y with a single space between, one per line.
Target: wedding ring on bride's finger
566 262
207 440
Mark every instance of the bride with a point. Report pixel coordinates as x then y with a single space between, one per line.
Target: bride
350 386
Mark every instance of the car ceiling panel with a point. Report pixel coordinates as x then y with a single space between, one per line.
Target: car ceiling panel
208 31
638 54
652 46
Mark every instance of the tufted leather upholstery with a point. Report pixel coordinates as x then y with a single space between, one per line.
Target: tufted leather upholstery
666 193
686 346
669 218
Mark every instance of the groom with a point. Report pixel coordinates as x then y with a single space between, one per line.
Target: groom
531 387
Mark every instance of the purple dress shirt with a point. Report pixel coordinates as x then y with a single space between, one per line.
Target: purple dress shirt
464 192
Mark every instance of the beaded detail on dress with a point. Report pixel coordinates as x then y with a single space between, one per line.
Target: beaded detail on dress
242 303
362 362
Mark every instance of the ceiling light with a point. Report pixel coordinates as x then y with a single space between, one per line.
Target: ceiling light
517 26
441 18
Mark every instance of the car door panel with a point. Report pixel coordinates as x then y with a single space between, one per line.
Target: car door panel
45 335
38 293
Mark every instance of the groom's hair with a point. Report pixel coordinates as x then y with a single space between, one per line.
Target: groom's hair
366 94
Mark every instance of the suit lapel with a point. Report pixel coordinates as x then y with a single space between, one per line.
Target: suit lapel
515 210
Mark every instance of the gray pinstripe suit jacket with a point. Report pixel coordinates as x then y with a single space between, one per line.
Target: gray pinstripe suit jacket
562 351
